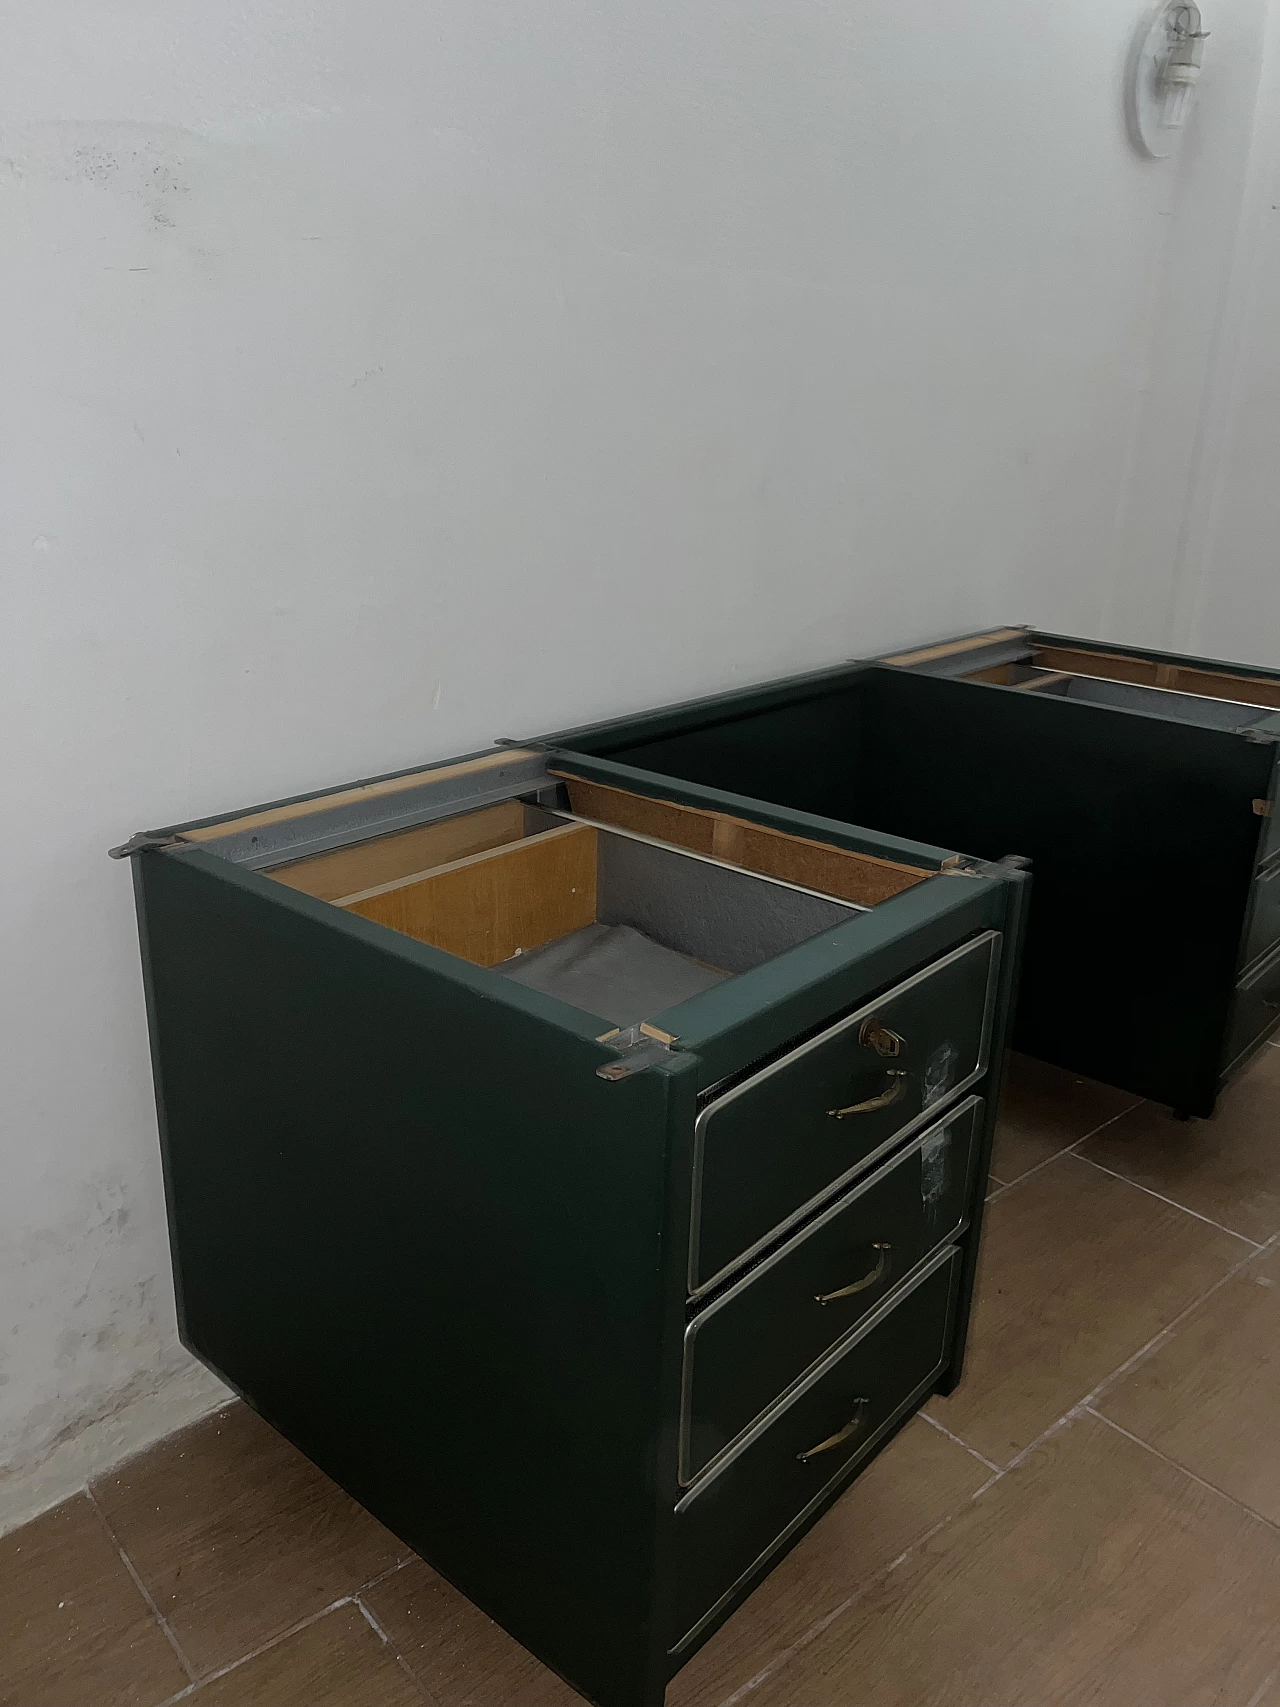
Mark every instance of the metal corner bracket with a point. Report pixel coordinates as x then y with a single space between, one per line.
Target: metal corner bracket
144 842
959 866
637 1047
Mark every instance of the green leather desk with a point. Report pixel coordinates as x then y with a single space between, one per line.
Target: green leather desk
591 1187
1141 786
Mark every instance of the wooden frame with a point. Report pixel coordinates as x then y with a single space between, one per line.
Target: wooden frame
349 871
857 877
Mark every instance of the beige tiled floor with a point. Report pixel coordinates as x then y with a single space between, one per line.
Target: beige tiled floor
1094 1517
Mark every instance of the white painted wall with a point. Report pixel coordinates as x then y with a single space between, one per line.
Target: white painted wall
379 379
1194 561
1226 599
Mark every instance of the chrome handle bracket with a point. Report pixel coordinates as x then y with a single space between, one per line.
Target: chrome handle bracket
894 1093
840 1436
879 1272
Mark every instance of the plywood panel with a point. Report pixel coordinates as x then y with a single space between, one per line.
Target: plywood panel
816 865
487 907
1253 690
682 826
861 878
346 870
996 675
1110 665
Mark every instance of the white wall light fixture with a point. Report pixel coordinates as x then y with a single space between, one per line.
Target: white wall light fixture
1164 68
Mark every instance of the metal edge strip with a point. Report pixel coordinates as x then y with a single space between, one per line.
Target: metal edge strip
368 818
710 859
1153 687
697 1288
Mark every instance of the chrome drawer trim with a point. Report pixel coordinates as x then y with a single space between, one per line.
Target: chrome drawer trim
941 1255
1269 873
847 1471
1259 969
697 1288
687 1478
850 1467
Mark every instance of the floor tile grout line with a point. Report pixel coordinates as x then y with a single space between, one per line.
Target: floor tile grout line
972 1450
166 1629
384 1576
1172 1202
1095 1393
1183 1469
1082 1407
372 1621
1046 1434
264 1648
1255 1700
1170 1328
782 1659
114 1469
777 1663
1066 1150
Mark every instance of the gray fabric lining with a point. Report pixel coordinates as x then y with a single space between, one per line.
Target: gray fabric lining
613 971
668 927
710 913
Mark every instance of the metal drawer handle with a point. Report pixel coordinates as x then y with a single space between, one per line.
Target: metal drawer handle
895 1093
838 1439
874 1035
877 1273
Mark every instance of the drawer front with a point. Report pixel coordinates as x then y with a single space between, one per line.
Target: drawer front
740 1512
800 1128
748 1347
1264 916
1256 1009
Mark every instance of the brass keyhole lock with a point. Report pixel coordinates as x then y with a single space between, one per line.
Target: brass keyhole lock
877 1036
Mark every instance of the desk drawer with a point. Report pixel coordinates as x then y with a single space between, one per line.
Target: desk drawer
1264 915
742 1511
752 1343
1256 1009
796 1131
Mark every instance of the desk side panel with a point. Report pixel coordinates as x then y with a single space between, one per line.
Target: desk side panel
420 1235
